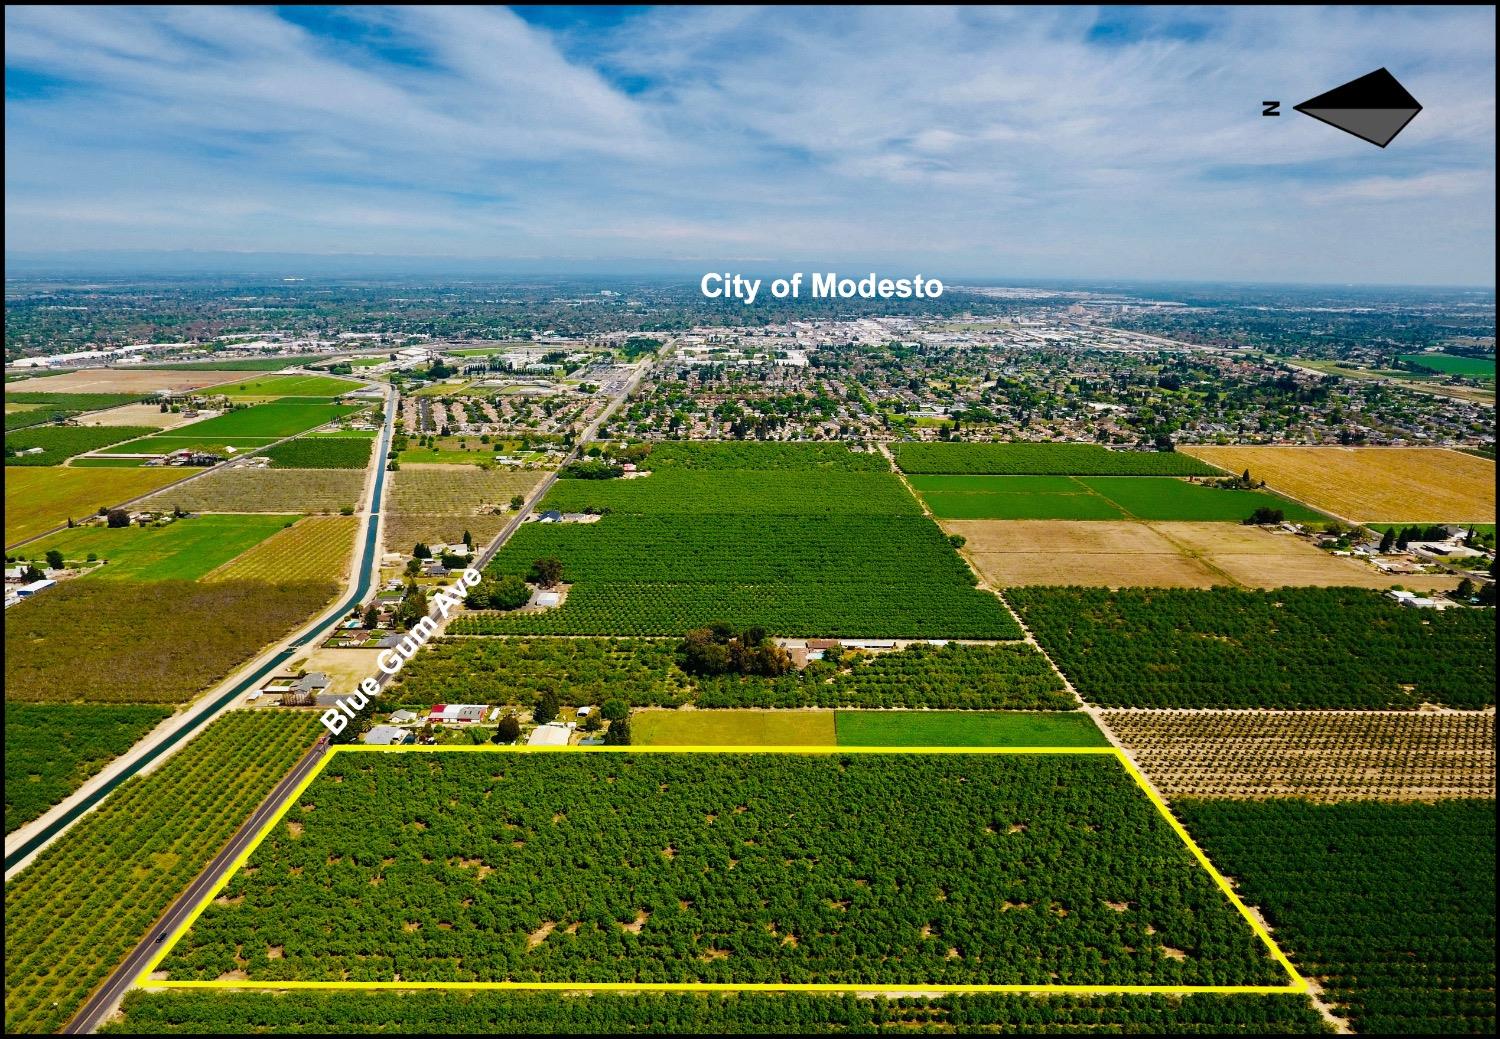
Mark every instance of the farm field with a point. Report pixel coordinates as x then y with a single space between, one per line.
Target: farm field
1013 553
1323 756
322 452
966 729
86 900
59 443
229 367
272 386
163 641
743 455
1372 484
1337 648
267 490
467 450
644 673
599 1013
183 550
51 749
829 554
315 548
727 492
1022 459
71 401
455 489
20 416
38 499
135 415
677 851
1017 553
269 420
400 533
731 728
182 439
1256 558
1104 497
132 380
1453 364
1391 906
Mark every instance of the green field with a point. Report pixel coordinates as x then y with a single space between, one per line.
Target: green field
741 455
1096 497
645 673
268 420
106 462
1390 906
1292 648
146 641
87 898
74 401
59 443
732 728
22 415
166 443
869 868
39 499
831 553
1452 364
289 386
51 749
322 452
184 549
965 729
1027 459
230 1012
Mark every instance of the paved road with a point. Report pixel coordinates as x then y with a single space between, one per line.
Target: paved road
117 984
16 853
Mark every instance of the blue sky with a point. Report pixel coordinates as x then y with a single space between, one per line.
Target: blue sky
1077 142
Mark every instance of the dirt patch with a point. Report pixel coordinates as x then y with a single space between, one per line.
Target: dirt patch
539 936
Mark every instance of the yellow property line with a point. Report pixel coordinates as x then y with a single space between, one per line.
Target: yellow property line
1296 982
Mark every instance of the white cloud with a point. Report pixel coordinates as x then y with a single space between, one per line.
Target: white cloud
990 141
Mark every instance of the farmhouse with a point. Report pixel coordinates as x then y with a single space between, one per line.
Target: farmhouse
388 736
457 713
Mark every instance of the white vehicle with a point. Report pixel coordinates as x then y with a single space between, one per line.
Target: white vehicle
253 697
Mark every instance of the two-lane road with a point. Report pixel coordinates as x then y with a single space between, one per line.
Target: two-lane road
114 988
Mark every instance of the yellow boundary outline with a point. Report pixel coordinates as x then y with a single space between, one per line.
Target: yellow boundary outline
1296 984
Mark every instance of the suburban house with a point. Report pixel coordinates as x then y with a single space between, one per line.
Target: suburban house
403 717
457 713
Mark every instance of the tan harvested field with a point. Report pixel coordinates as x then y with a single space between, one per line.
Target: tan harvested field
1321 755
401 533
1259 558
134 415
1096 553
315 548
1372 484
455 489
126 380
267 490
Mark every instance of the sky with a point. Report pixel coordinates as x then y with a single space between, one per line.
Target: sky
954 143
